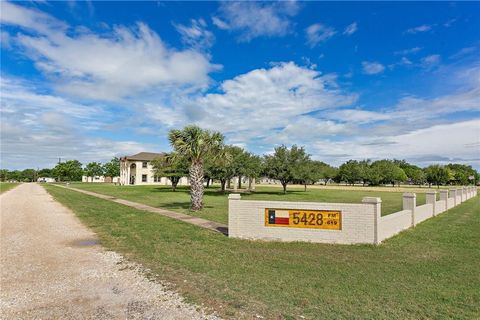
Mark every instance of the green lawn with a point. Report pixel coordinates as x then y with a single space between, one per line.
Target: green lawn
430 271
216 203
5 186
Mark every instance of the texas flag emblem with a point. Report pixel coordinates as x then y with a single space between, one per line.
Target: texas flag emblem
278 216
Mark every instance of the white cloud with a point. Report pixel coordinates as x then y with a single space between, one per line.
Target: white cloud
431 60
29 18
449 23
372 67
408 51
351 29
196 35
317 33
37 128
456 142
110 66
420 29
358 116
256 19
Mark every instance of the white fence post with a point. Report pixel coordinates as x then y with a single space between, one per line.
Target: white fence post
453 194
377 202
410 203
444 197
232 214
431 198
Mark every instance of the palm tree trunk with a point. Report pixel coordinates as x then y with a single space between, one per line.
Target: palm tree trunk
196 185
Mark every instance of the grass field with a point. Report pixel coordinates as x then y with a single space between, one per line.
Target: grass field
430 271
5 186
216 203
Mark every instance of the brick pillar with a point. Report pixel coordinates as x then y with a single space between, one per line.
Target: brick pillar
232 215
444 197
410 203
453 194
377 213
431 198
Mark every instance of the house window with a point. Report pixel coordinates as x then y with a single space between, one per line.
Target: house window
157 179
144 178
144 164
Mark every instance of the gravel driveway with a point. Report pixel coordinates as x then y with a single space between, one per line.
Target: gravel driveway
51 268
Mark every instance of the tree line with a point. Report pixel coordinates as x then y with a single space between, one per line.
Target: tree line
71 170
203 156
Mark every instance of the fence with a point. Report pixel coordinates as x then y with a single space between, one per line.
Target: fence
347 223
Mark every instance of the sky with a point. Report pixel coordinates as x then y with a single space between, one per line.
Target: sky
347 80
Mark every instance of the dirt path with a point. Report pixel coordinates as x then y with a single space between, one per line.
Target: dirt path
51 268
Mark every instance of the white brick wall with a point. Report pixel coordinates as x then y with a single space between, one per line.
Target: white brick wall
247 221
450 203
424 212
361 222
440 206
394 223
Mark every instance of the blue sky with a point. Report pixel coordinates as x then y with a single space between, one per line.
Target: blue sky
93 80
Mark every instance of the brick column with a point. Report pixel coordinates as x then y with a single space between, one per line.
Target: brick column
444 198
410 203
453 194
431 197
232 215
377 212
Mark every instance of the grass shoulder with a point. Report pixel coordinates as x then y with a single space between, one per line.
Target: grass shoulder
429 271
5 186
216 202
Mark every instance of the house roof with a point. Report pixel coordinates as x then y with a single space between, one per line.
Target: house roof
143 156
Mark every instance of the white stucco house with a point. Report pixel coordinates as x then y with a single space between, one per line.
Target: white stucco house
138 170
98 179
46 179
101 179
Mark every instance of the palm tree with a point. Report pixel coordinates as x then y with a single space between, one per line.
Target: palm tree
196 145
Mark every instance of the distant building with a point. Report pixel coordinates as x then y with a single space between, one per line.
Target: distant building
46 179
138 170
101 179
93 179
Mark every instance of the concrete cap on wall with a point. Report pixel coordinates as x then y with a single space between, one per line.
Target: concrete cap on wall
443 191
234 196
431 192
409 195
371 200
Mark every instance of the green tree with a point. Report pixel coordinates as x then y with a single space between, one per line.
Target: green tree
28 175
46 172
389 172
283 163
112 168
350 172
222 168
308 172
70 170
437 174
195 145
415 174
3 174
94 169
253 168
171 166
328 172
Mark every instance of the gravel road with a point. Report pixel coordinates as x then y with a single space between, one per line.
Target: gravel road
52 268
